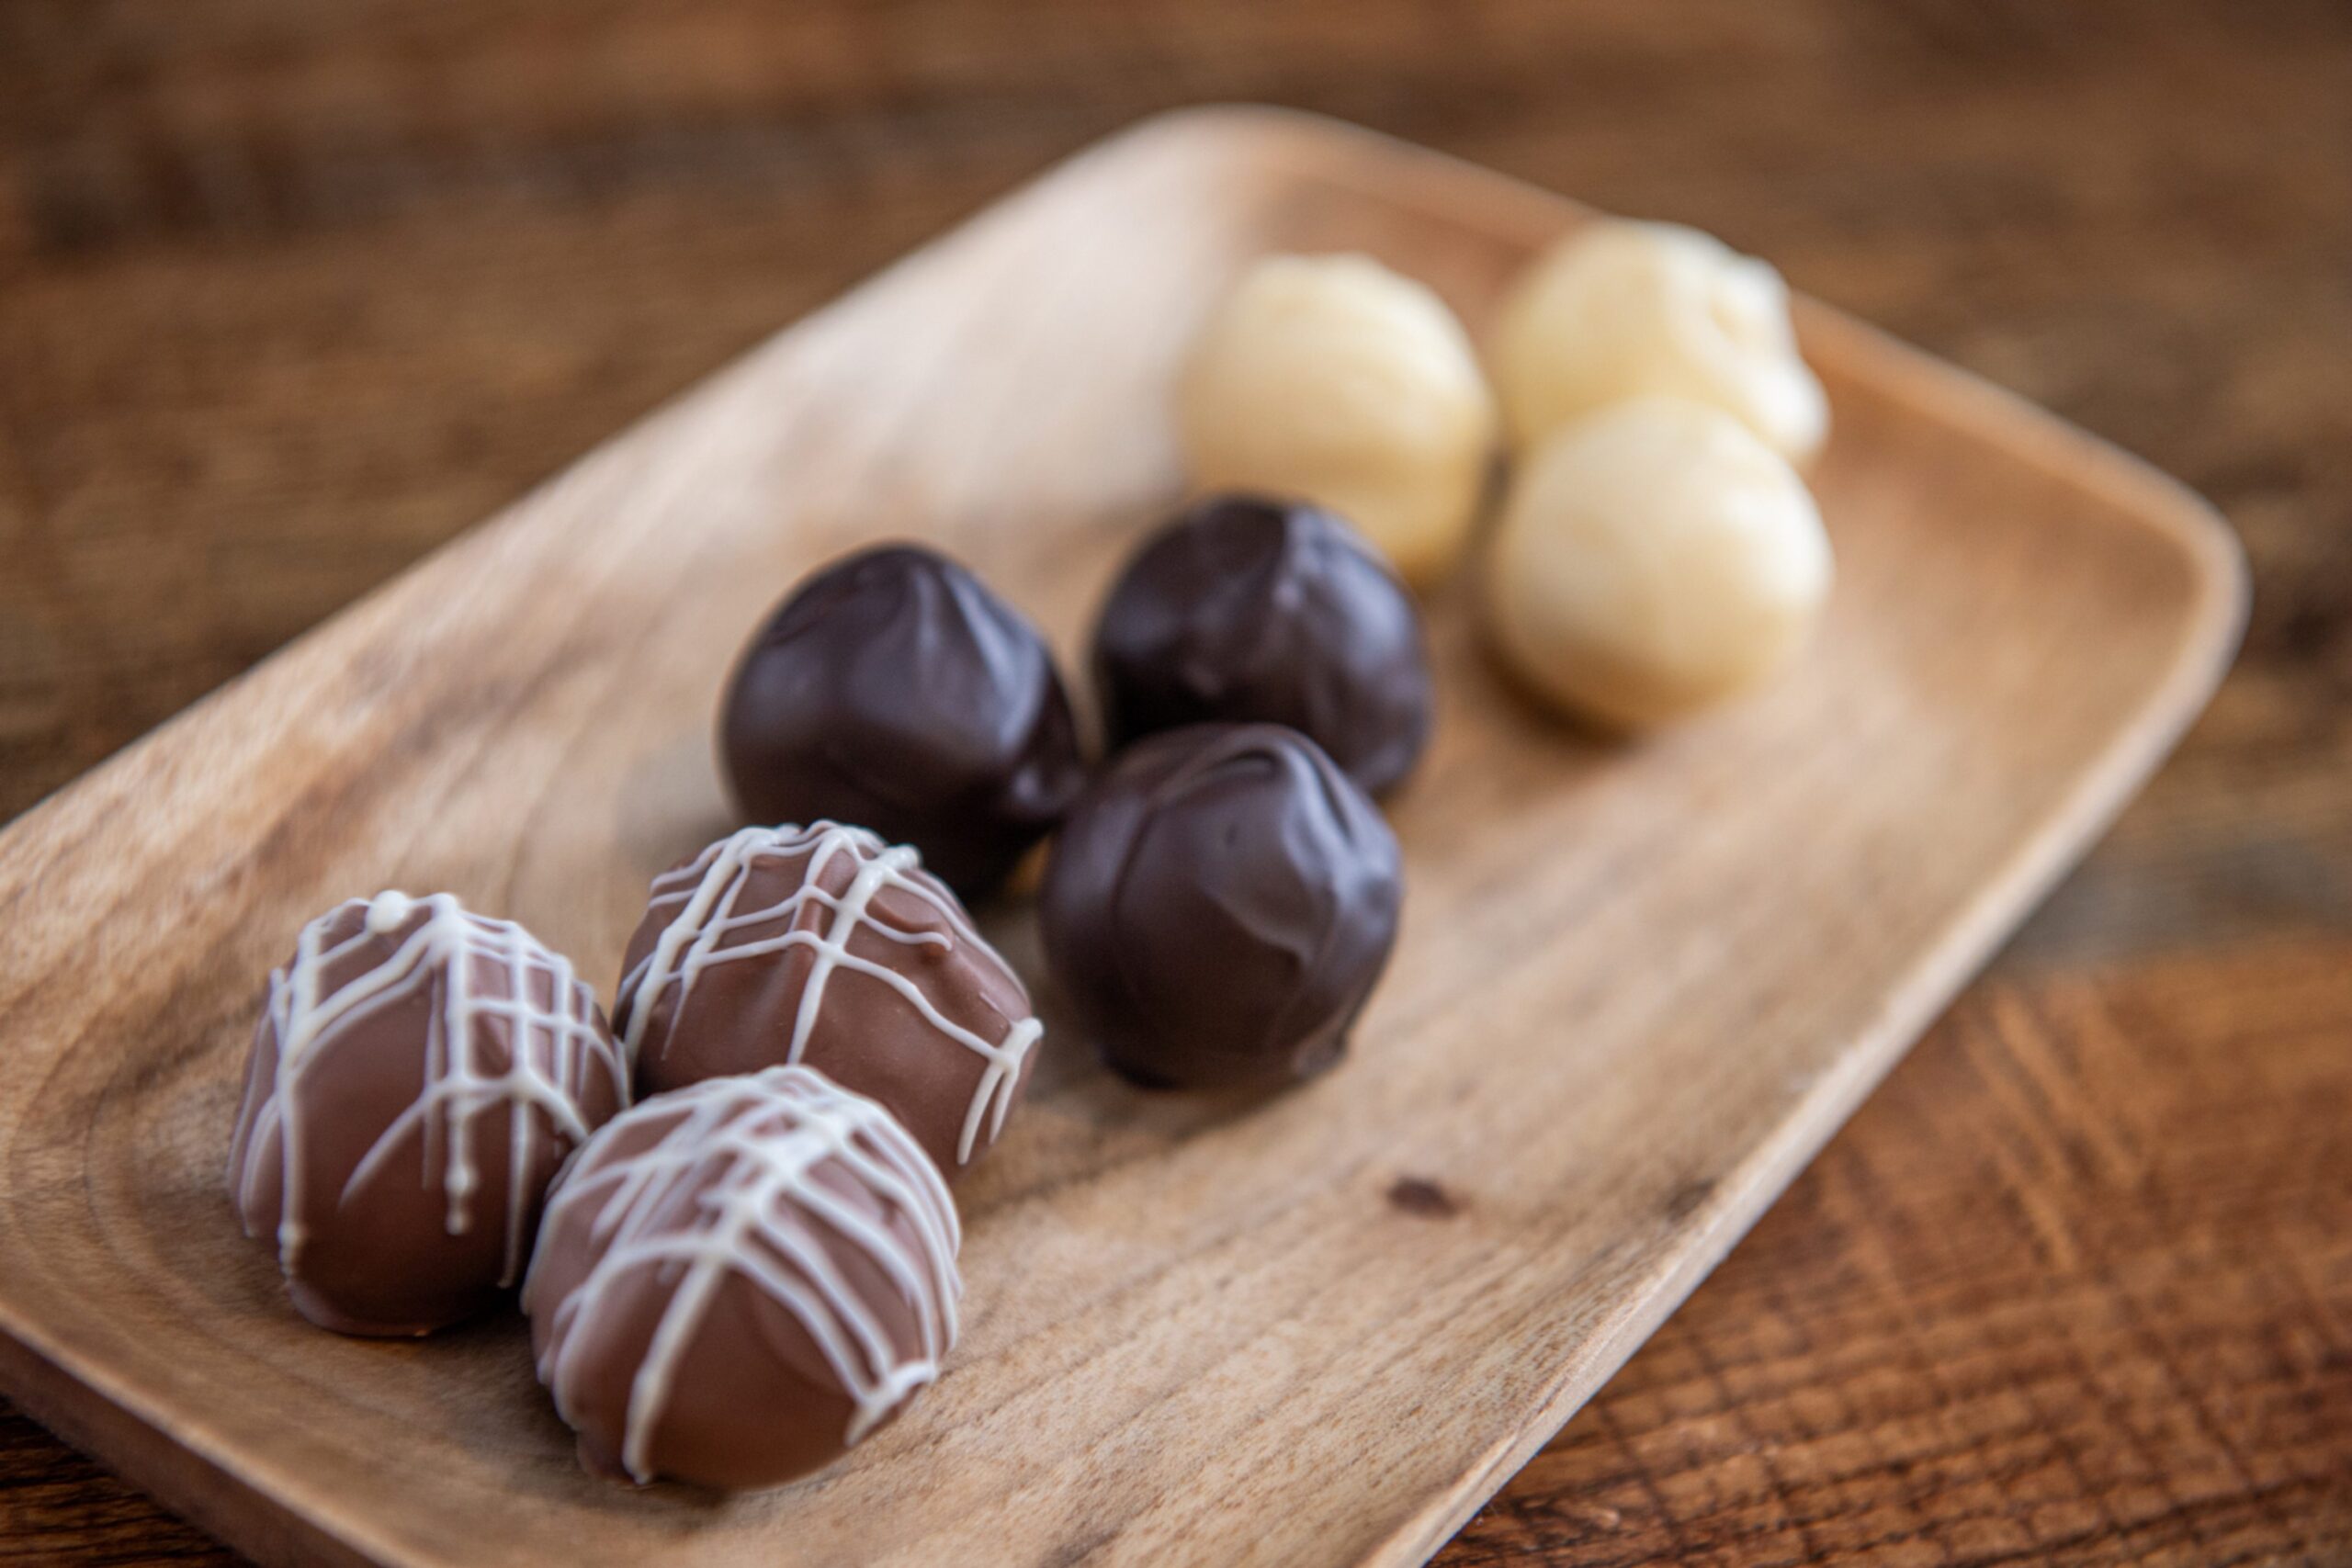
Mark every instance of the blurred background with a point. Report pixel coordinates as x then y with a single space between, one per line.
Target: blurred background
291 291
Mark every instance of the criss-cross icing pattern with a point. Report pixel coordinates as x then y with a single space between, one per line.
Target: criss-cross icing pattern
707 896
728 1190
549 1049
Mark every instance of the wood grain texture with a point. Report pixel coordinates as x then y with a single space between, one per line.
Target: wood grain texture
289 293
2003 1320
1621 1013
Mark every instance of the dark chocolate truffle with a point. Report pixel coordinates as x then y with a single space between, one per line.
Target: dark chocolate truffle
418 1076
1248 610
824 945
738 1281
892 689
1218 906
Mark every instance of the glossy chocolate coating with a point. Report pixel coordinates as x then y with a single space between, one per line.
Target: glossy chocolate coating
739 1280
892 689
1218 906
383 1091
912 1006
1251 610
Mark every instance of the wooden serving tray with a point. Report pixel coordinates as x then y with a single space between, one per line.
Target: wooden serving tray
1638 986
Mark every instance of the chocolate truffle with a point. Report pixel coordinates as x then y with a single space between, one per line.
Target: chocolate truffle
824 945
1334 378
1654 559
418 1076
1247 609
1219 906
739 1280
892 689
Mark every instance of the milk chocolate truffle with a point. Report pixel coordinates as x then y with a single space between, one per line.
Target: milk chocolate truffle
826 946
739 1280
418 1076
1251 609
1219 906
892 689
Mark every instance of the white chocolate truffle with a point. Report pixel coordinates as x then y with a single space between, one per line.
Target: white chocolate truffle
1335 380
1653 559
1621 309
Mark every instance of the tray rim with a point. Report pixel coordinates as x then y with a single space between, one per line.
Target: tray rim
2203 655
83 1402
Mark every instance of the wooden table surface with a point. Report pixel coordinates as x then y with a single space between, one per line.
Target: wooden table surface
291 291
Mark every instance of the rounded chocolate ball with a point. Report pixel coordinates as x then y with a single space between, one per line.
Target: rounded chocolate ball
1250 610
739 1280
1218 906
417 1078
824 945
894 690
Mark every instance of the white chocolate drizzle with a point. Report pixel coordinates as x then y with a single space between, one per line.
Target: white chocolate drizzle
549 1050
729 1191
706 891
